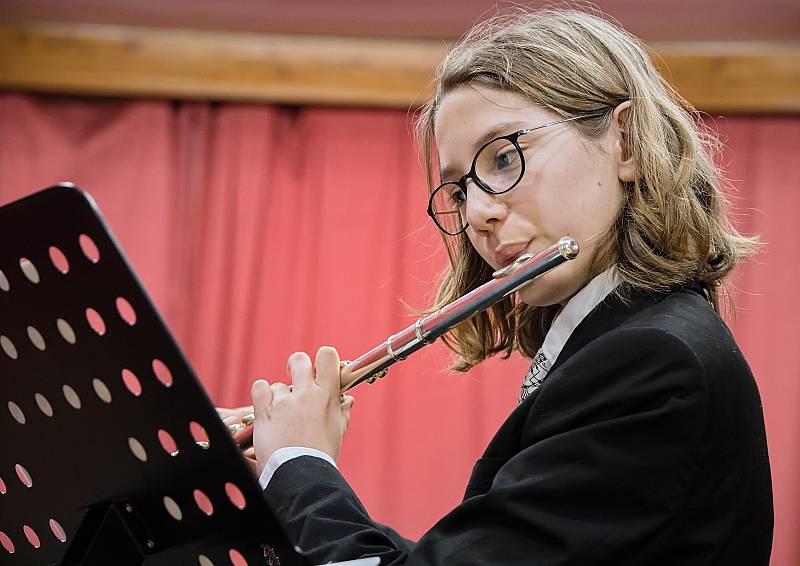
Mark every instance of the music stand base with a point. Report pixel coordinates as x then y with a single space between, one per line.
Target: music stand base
104 538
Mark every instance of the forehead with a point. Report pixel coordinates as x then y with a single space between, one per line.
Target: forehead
467 112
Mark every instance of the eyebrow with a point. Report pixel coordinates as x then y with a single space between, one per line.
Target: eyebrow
495 131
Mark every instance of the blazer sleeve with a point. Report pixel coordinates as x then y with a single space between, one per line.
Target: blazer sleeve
608 453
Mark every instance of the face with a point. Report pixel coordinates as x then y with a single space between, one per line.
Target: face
572 185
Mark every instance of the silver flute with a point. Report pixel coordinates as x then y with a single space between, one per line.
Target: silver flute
374 364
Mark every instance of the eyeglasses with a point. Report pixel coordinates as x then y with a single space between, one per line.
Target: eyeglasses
497 167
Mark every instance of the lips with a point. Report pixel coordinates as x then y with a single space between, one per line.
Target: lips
505 254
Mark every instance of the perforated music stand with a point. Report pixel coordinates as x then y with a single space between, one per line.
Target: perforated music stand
112 452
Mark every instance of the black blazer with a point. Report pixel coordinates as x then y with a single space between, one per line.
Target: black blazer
645 445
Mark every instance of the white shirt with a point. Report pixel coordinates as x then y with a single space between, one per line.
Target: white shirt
565 323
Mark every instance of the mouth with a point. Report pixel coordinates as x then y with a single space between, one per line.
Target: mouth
506 254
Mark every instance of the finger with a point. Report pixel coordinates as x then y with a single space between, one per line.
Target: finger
236 412
328 370
300 369
347 401
262 398
249 453
253 464
279 390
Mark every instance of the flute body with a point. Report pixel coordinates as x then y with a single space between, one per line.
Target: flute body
374 363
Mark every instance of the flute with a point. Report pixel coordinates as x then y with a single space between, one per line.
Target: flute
374 364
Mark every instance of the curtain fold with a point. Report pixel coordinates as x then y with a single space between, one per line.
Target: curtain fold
263 230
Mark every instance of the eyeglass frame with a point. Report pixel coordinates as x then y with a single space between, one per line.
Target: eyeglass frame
472 174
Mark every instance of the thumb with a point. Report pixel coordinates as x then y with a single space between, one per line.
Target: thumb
346 405
262 398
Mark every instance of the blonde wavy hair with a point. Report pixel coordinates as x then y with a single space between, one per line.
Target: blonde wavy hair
671 229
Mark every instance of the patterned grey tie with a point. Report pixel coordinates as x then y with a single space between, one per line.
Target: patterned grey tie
535 376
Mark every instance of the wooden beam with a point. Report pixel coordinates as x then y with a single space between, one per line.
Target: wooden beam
184 64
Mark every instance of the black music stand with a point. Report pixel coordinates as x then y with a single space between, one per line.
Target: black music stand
112 452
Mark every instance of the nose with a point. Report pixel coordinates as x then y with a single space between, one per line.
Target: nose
483 211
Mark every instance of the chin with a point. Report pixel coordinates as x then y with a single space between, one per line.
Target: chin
551 289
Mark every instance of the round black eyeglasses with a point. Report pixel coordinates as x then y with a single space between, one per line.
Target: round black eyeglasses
498 167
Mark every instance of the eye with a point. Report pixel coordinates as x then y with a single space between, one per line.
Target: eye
456 195
506 159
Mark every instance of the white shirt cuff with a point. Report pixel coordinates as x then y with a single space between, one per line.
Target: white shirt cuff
283 455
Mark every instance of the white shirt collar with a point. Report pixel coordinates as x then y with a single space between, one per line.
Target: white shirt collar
576 309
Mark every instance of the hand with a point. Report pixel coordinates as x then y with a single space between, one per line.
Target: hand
232 416
309 413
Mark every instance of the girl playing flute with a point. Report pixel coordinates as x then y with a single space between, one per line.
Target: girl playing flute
639 436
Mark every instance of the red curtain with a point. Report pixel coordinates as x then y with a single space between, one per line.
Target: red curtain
261 230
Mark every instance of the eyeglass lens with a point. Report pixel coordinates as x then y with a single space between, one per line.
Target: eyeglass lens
498 167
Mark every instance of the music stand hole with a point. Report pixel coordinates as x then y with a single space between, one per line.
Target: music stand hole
2 487
65 330
204 560
96 321
6 542
132 382
199 435
32 537
126 311
23 475
58 531
4 285
137 449
16 412
29 270
36 338
59 260
172 508
162 372
236 558
89 248
72 397
44 404
203 502
167 442
8 347
235 495
101 390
